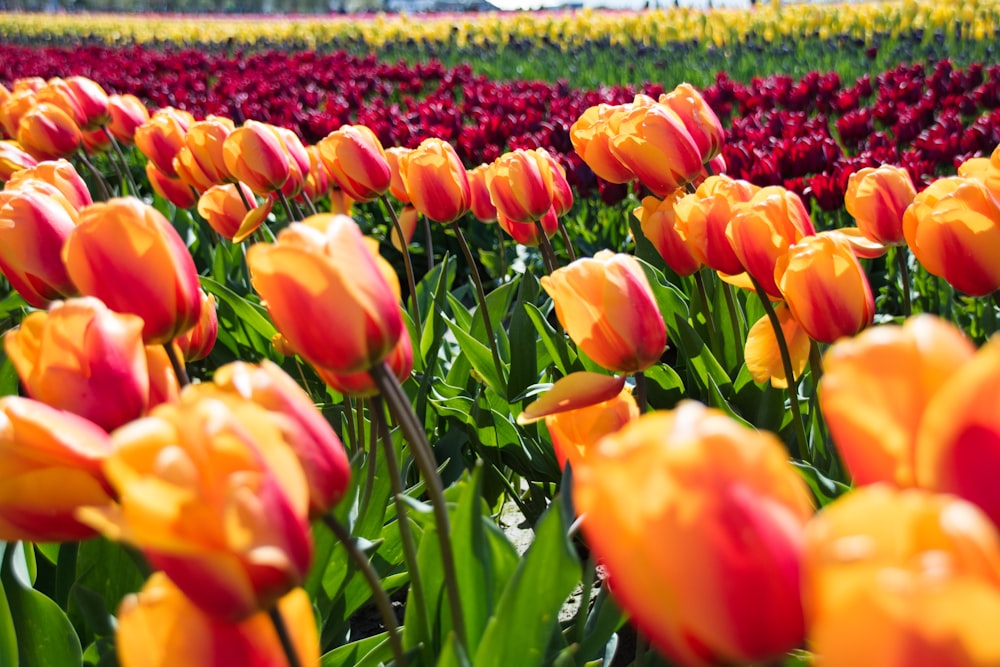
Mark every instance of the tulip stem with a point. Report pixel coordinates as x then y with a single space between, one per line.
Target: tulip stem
411 282
502 251
95 172
786 363
736 319
904 279
481 298
380 425
352 439
178 365
287 206
815 363
570 252
640 391
423 455
713 335
243 196
371 576
548 254
429 242
286 640
133 187
370 464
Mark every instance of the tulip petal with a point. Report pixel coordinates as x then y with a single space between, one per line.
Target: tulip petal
762 355
576 390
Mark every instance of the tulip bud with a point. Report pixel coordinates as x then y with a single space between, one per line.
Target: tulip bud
226 211
298 162
435 180
762 354
397 187
200 162
48 133
174 190
698 118
528 233
400 362
357 162
162 136
701 220
653 144
658 218
198 341
562 193
128 113
62 175
877 199
318 180
520 185
591 135
13 108
481 205
255 154
92 101
13 159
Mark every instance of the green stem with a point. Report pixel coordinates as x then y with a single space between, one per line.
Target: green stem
481 298
502 251
370 465
571 253
548 254
133 187
411 282
904 279
713 336
405 534
371 576
286 640
580 623
736 319
352 439
423 456
786 363
177 363
243 196
815 363
429 242
98 176
640 391
287 206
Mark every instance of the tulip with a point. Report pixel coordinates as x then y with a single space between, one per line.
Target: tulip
92 101
318 180
357 162
520 185
876 388
200 162
12 109
226 211
211 492
763 356
361 384
591 136
198 341
657 218
762 229
56 92
33 227
62 175
408 219
163 384
701 220
397 187
435 180
698 521
607 307
527 233
128 255
159 626
327 295
901 578
50 464
13 159
825 287
877 198
47 132
654 144
698 118
480 203
256 155
95 141
562 193
162 137
81 357
953 229
298 162
313 440
128 113
174 190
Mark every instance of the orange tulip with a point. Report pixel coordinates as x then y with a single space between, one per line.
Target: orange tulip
702 218
700 121
698 521
11 110
520 185
200 162
62 175
163 384
298 162
762 354
174 190
877 198
226 212
13 159
159 627
82 357
313 440
607 307
825 287
211 492
953 229
876 388
92 101
33 227
128 113
326 294
397 187
658 219
50 464
902 578
528 233
591 136
361 384
162 136
654 144
47 132
255 154
128 255
357 162
198 341
562 193
435 180
762 229
318 181
480 203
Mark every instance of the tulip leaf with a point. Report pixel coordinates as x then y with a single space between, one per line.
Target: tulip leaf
8 633
701 363
249 314
8 378
664 386
554 341
452 654
824 489
480 357
604 620
375 648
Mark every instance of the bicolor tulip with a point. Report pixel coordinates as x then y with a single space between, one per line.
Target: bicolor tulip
762 354
607 307
50 464
562 193
226 211
47 132
481 205
699 522
326 293
298 162
528 233
520 185
825 287
397 187
356 160
211 492
318 181
82 357
361 384
701 220
255 154
62 175
591 135
11 110
197 342
162 136
653 143
877 198
310 435
700 121
173 189
657 218
435 181
13 158
92 101
953 229
128 113
130 256
159 626
200 162
876 388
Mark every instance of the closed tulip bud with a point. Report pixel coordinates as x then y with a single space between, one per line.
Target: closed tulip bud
200 162
48 133
13 159
655 146
50 464
159 626
12 109
361 384
435 180
520 185
198 341
762 229
699 523
256 155
762 354
701 220
953 229
82 357
33 227
877 198
591 135
397 187
607 307
310 435
128 255
61 174
481 205
162 136
658 218
408 219
357 162
226 211
825 287
326 294
876 388
901 578
128 113
698 118
174 190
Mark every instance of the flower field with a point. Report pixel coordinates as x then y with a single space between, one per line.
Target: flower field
302 318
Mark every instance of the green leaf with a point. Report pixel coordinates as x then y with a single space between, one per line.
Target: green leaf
604 620
480 357
554 341
8 634
824 489
370 650
249 313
